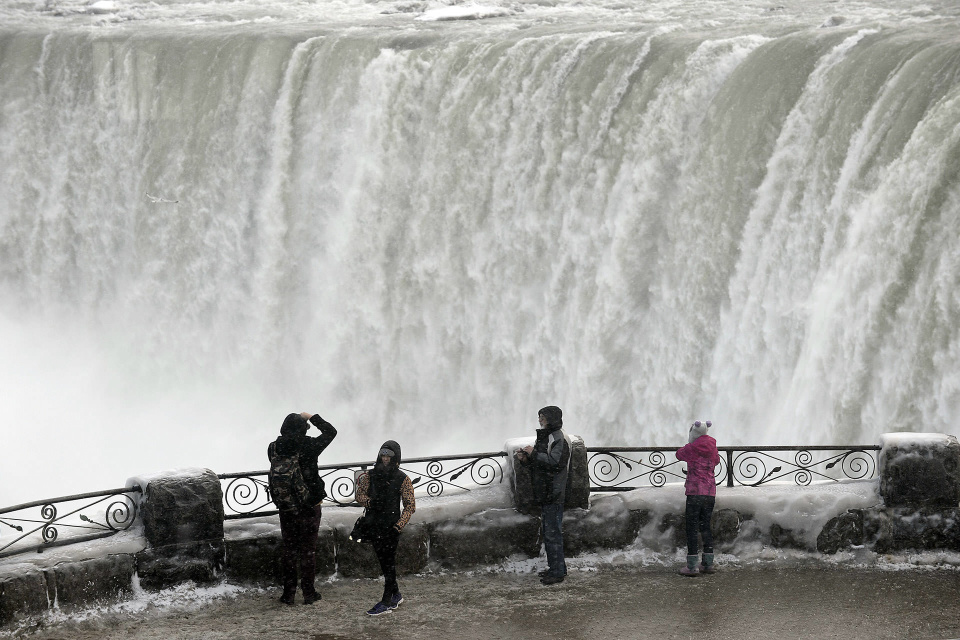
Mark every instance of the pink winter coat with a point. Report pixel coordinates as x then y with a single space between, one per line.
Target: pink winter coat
701 457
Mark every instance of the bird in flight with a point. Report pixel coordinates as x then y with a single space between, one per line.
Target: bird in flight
159 199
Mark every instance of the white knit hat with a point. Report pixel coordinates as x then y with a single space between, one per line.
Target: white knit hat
698 429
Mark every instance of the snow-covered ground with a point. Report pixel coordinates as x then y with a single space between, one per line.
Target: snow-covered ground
188 599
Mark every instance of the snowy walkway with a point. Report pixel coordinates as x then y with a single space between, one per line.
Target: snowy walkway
737 603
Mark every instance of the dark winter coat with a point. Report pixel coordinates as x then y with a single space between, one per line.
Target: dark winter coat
293 438
701 457
550 460
386 485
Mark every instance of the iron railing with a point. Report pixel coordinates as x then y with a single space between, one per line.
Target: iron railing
247 494
37 525
88 516
627 468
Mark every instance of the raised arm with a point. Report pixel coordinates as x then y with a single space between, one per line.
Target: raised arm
327 433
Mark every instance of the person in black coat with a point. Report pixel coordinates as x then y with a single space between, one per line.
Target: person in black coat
548 459
382 490
299 527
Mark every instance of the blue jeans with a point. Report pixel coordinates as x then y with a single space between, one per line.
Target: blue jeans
553 538
699 510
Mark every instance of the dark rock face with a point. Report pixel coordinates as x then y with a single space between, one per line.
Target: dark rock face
920 472
673 531
180 509
257 560
725 525
104 579
22 595
781 537
578 482
484 538
607 525
174 563
68 584
890 530
183 523
842 532
577 494
412 550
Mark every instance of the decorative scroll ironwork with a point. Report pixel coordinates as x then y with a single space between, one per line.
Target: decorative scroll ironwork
753 468
86 516
247 495
624 468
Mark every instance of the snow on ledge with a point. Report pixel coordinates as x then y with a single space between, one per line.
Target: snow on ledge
145 479
907 439
130 542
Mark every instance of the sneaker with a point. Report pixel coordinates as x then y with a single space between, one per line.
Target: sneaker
551 579
396 600
287 598
707 568
379 609
312 597
687 571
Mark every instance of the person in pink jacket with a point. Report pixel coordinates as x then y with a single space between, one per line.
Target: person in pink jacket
701 456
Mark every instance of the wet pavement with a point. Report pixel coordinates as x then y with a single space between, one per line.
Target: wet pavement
653 602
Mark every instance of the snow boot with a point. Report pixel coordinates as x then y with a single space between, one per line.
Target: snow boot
706 566
691 569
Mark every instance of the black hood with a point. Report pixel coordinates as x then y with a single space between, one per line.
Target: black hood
393 446
294 424
554 417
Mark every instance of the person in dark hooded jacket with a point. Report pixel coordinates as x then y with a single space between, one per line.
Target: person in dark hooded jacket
299 526
549 458
382 490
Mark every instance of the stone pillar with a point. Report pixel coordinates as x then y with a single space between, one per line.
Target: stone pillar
182 514
578 480
920 470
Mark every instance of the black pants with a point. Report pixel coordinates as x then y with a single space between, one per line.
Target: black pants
385 546
699 510
299 533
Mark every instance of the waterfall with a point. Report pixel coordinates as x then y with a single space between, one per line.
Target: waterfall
427 234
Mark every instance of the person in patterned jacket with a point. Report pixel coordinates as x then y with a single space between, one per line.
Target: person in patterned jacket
381 491
701 456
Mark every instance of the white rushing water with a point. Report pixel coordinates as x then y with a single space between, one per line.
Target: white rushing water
426 220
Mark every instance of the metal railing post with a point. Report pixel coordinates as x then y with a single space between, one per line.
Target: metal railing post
729 468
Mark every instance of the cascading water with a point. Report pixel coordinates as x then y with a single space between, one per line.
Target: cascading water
427 230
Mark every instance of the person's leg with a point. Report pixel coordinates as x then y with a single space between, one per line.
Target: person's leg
693 514
309 528
707 533
553 539
288 534
561 557
693 525
385 547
